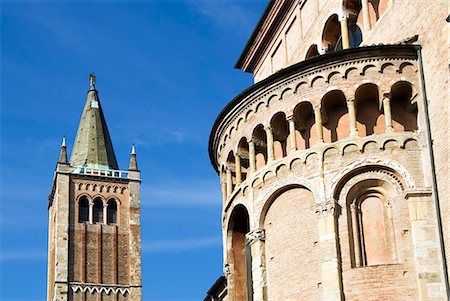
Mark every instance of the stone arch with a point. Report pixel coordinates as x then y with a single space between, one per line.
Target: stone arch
368 116
112 211
231 169
312 52
305 125
259 138
280 132
243 153
336 123
83 204
238 253
97 210
403 107
400 173
290 231
331 34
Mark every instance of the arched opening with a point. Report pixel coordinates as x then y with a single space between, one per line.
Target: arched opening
354 33
371 224
98 211
403 107
240 255
291 232
368 116
305 128
335 116
83 210
112 212
331 35
312 52
231 168
280 131
259 138
243 153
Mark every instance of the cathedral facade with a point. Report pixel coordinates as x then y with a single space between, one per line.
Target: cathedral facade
334 164
94 250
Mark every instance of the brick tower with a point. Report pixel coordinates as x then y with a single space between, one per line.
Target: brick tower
94 217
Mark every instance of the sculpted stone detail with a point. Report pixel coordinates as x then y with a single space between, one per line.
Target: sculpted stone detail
227 270
255 236
327 207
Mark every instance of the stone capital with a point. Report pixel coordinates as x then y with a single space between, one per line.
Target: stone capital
327 207
255 236
290 118
343 15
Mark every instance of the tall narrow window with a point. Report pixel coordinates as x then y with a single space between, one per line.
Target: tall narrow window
83 210
112 212
98 211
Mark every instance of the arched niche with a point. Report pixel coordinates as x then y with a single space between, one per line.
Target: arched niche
369 118
239 255
312 52
244 155
403 107
291 230
305 128
259 138
335 116
280 132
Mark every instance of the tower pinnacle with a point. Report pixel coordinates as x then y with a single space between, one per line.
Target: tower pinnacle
63 152
133 162
93 146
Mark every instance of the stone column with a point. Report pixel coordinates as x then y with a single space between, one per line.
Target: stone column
387 112
365 12
319 126
91 213
252 156
223 184
429 274
105 211
343 19
352 117
292 137
330 262
356 235
270 154
255 241
237 161
229 182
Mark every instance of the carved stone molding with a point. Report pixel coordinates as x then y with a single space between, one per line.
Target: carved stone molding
255 235
98 289
327 207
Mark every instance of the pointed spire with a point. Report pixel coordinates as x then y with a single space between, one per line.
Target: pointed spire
63 152
93 146
133 162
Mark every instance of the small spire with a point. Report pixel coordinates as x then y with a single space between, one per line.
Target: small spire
133 162
63 152
92 80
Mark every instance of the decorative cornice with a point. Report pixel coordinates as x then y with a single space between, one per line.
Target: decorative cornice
100 288
255 236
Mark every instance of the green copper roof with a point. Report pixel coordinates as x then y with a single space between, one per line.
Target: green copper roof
93 147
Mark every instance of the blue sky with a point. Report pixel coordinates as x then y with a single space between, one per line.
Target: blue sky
164 71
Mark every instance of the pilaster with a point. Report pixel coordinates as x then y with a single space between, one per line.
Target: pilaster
255 241
330 262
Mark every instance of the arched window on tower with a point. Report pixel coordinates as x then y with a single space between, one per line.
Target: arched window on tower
112 212
98 211
83 210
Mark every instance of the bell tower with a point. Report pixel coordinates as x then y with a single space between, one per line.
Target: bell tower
94 250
